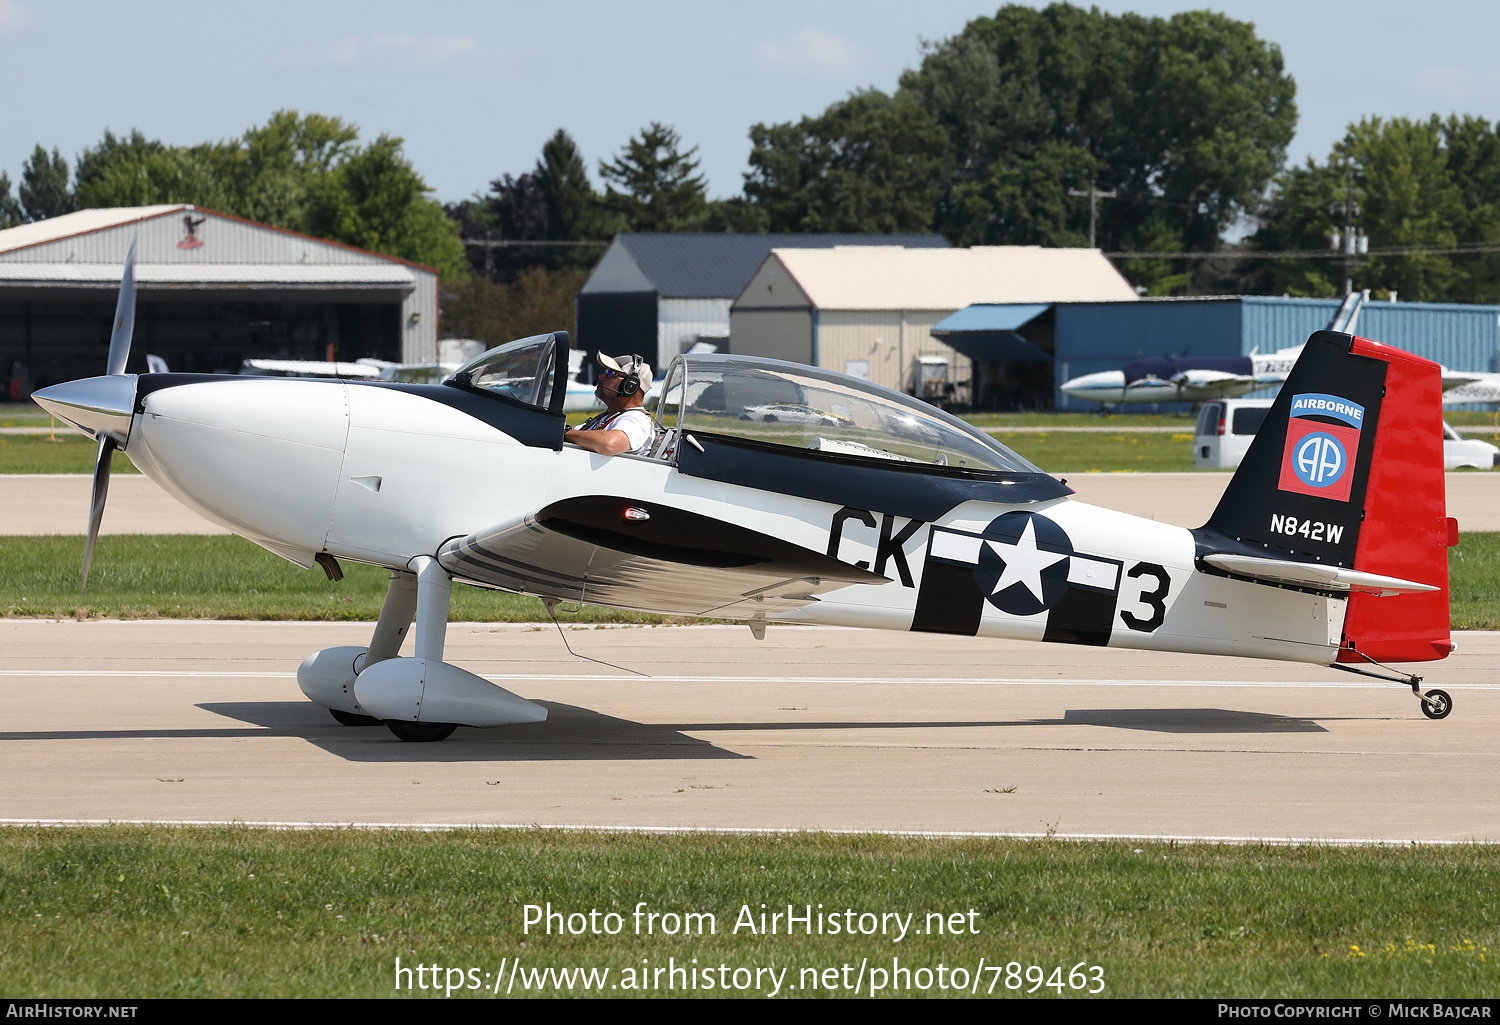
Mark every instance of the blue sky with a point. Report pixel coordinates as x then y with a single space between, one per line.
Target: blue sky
476 88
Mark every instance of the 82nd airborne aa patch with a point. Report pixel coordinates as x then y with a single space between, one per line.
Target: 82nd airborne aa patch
1319 457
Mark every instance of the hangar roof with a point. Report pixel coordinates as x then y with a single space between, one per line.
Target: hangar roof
54 228
693 265
887 278
182 237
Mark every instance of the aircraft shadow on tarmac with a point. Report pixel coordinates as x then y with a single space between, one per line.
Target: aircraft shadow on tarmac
1190 720
569 734
572 733
1155 720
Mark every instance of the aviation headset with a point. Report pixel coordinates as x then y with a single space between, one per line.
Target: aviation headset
631 383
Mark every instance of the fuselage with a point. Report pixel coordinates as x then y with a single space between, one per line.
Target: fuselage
381 474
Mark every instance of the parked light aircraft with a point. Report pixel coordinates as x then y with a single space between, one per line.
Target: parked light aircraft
1201 378
1207 378
868 508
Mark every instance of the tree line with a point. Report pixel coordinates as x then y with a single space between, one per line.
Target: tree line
995 138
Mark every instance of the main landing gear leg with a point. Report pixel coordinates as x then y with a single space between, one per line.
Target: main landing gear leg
424 698
395 619
432 591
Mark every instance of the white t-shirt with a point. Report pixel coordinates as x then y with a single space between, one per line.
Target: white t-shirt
635 422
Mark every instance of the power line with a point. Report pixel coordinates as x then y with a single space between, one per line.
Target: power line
513 243
1309 254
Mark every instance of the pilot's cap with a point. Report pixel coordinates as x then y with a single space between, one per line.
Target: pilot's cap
627 364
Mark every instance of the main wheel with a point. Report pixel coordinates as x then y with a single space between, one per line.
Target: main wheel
421 732
1443 704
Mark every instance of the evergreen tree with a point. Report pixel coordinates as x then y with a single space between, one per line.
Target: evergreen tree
10 210
659 189
573 210
44 186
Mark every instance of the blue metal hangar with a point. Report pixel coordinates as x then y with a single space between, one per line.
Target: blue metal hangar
657 294
1046 344
213 290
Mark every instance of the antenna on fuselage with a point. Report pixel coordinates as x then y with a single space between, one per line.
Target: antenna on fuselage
550 602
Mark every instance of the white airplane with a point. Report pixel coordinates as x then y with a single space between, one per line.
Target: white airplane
1202 378
869 508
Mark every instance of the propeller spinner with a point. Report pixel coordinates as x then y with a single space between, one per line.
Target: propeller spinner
102 406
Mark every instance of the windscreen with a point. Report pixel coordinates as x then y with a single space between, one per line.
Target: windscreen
521 370
815 410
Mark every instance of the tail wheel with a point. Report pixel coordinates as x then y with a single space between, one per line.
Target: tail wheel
426 732
1437 705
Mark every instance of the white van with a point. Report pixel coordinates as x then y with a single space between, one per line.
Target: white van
1226 428
1460 451
1224 432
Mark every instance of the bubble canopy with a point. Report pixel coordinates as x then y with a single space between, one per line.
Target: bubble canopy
768 402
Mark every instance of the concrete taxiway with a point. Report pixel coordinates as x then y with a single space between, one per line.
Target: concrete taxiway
810 729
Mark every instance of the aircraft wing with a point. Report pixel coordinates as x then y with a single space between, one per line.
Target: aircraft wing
645 555
1210 378
1197 385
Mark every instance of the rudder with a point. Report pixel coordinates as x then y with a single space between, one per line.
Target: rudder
1347 470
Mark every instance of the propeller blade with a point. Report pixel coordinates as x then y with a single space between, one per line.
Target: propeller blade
96 508
119 336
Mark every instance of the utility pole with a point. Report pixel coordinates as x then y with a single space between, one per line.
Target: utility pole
1094 196
1354 240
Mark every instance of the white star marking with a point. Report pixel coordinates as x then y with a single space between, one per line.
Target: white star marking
1024 562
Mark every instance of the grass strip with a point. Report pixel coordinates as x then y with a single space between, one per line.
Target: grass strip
234 912
70 453
187 576
1074 452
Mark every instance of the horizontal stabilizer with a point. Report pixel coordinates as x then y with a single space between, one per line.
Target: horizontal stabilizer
1319 575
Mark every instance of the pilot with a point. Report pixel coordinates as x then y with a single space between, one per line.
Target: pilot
624 426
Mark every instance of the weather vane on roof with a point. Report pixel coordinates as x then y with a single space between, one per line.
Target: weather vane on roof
191 239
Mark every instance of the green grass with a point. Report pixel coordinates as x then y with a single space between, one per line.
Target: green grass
183 576
1474 582
1184 421
70 453
1074 452
1061 452
196 577
220 912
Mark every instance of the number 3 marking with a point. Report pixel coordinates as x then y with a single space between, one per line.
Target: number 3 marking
1156 599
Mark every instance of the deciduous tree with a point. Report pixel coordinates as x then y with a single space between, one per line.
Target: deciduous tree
867 163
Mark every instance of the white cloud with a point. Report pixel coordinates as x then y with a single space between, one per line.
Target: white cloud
1445 82
15 19
811 52
401 54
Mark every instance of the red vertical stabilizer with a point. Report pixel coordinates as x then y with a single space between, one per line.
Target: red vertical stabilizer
1406 532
